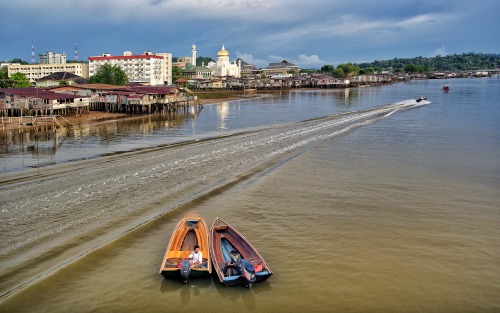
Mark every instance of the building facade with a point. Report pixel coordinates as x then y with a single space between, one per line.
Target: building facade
36 71
194 72
223 67
52 58
280 69
149 68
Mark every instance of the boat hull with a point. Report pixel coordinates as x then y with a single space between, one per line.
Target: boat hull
190 231
176 274
224 238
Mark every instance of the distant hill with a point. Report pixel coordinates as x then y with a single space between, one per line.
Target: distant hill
455 62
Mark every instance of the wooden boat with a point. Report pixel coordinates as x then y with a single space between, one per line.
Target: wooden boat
224 238
190 231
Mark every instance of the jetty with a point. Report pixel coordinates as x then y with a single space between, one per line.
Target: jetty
77 99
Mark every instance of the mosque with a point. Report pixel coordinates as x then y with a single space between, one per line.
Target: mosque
224 67
220 68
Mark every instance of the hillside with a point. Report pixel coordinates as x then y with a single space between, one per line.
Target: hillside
455 62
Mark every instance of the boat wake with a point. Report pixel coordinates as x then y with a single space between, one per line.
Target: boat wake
55 215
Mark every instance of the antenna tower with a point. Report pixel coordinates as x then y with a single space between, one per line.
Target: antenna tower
32 53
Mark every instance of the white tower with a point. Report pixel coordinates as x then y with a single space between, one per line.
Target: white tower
193 55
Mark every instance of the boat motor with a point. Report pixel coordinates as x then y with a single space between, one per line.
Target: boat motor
248 272
185 270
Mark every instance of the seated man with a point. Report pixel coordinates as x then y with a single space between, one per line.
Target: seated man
233 267
196 257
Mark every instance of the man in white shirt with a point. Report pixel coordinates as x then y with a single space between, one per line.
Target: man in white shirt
195 257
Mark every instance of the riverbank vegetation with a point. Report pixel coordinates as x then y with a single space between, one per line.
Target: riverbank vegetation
455 62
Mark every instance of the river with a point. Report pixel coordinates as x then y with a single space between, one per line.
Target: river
359 199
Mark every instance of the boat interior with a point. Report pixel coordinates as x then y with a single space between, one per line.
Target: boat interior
183 245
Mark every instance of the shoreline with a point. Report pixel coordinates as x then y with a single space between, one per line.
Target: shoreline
96 118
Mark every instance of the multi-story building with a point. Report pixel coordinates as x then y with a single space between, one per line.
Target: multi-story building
52 58
36 71
280 69
153 69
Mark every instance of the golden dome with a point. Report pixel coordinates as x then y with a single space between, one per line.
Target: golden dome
223 52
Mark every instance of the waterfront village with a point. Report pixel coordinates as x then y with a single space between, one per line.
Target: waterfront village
63 88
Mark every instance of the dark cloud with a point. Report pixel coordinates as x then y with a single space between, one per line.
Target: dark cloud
157 2
324 30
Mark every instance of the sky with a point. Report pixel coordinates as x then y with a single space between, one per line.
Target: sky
309 33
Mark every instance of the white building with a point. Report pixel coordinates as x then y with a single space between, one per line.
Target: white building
36 71
223 67
52 58
153 69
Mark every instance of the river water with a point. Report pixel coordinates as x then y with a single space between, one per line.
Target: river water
358 199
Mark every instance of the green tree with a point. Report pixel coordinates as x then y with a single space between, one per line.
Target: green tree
203 61
18 60
367 71
411 68
456 62
109 74
339 72
349 69
19 80
327 69
176 73
4 78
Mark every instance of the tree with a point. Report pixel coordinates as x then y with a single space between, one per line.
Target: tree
339 72
367 71
456 62
18 60
4 78
110 74
19 80
327 69
176 73
349 70
203 60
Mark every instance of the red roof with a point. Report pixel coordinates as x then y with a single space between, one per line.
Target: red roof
39 93
126 57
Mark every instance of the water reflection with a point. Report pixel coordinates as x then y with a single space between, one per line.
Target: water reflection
89 141
31 147
193 288
235 292
223 113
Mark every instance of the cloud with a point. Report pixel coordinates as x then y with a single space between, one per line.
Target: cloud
157 2
439 51
313 59
275 58
266 31
251 60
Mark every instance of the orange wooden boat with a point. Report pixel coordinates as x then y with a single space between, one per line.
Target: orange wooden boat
190 231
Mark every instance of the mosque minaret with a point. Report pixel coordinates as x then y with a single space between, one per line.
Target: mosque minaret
193 55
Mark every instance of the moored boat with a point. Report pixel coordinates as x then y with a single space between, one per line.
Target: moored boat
223 240
188 233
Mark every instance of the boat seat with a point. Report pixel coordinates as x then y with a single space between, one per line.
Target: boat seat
178 254
232 278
